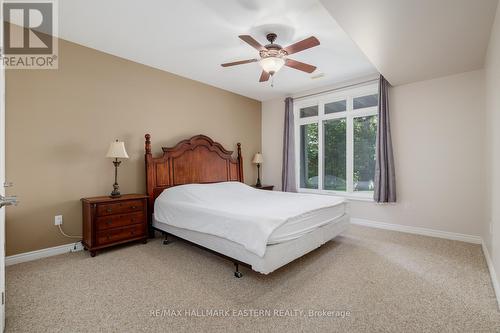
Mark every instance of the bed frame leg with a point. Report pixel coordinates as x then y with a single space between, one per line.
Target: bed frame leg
166 241
237 272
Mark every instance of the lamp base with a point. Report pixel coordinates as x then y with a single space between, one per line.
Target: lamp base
258 184
116 193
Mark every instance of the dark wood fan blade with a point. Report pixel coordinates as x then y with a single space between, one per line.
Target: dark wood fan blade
241 62
264 76
302 45
300 66
252 42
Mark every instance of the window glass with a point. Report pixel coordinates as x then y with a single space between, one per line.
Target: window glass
347 146
338 106
365 134
309 156
365 101
309 111
335 154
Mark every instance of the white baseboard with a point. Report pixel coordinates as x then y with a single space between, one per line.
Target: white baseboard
493 274
43 253
418 231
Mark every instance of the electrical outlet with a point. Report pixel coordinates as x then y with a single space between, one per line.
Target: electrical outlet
58 220
77 247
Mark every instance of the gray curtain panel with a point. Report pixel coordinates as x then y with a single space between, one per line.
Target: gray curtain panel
288 171
385 177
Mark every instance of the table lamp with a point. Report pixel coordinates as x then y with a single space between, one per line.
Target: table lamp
116 150
257 159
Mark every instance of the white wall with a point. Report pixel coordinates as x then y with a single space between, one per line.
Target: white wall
438 135
273 113
492 76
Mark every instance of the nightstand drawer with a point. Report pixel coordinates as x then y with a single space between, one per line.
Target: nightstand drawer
116 235
113 221
120 207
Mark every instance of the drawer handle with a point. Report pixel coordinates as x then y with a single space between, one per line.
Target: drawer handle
108 237
134 207
132 232
108 222
109 210
132 219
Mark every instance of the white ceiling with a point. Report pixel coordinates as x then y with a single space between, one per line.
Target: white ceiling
413 40
192 38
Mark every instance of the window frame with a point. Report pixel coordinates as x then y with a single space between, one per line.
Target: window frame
320 100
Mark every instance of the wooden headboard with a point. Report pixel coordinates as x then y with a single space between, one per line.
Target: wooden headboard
195 160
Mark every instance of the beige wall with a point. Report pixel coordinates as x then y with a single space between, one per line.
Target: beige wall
438 134
492 74
60 123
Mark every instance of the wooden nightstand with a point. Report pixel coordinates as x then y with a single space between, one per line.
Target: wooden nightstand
264 187
111 221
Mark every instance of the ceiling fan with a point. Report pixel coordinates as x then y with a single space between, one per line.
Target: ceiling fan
273 56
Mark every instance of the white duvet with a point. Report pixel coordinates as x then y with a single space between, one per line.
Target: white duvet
235 211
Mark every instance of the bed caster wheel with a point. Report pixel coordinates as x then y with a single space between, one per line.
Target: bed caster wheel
166 241
144 241
85 249
237 272
93 253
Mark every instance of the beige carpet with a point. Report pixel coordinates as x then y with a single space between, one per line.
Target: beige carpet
387 281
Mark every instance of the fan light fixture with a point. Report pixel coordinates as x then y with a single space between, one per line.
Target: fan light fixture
272 56
271 64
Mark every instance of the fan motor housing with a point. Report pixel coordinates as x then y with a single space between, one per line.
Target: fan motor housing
273 52
272 49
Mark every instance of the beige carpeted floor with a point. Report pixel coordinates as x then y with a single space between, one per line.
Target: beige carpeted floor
370 280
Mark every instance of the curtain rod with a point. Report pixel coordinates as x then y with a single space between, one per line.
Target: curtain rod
335 89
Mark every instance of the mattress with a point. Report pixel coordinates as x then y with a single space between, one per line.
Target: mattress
303 224
250 217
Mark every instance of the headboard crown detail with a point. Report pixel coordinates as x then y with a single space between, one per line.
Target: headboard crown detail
195 160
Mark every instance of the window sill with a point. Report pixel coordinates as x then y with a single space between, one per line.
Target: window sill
366 197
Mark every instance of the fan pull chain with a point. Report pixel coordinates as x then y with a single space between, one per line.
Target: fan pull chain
272 81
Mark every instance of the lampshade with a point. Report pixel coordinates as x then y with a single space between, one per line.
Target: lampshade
117 150
271 64
257 159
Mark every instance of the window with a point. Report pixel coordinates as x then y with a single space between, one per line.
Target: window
309 159
310 111
336 136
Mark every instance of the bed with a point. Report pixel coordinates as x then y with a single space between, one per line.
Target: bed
196 193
